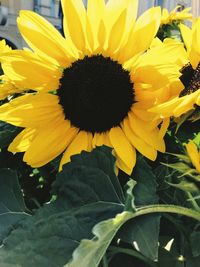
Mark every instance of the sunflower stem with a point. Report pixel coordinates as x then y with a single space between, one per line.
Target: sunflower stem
169 209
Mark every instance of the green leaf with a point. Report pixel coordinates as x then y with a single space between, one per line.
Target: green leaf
12 207
146 187
103 159
186 186
7 133
143 232
86 195
195 243
90 252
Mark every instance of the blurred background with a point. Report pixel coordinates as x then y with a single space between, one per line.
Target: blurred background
51 10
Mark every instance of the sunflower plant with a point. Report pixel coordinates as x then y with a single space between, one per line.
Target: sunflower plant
99 140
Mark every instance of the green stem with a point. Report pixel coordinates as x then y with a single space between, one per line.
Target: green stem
169 209
133 253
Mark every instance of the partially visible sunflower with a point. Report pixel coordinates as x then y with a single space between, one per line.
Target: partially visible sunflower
93 87
189 97
169 26
189 163
175 15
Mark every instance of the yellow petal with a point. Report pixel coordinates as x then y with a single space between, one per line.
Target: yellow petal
131 7
32 110
22 141
144 148
82 141
49 142
4 47
43 38
95 12
193 154
101 36
100 139
116 33
186 34
27 71
123 149
142 34
186 104
195 45
7 88
149 136
90 38
164 127
75 22
166 109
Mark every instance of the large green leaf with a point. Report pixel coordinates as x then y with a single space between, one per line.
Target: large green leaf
143 232
12 208
90 252
85 196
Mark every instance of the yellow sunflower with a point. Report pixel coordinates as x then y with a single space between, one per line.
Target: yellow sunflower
92 87
189 96
175 15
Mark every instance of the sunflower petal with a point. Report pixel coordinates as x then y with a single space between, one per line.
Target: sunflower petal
186 104
142 35
149 136
144 148
95 13
75 22
100 139
27 71
82 141
193 154
116 33
194 54
186 33
43 38
49 142
32 110
166 109
22 141
123 149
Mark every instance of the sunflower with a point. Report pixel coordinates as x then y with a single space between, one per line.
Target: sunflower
189 97
93 87
175 15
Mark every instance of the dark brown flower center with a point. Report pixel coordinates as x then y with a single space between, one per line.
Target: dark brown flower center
96 93
190 79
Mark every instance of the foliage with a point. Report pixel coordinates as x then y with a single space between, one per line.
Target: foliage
91 219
